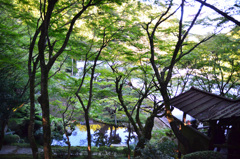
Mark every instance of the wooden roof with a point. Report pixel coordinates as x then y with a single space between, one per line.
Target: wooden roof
206 106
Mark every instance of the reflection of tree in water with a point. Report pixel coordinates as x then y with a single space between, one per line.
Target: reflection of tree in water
83 142
101 137
130 136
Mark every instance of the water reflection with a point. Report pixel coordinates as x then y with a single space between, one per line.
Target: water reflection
102 135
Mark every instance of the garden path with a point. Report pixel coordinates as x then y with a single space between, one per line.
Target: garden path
7 149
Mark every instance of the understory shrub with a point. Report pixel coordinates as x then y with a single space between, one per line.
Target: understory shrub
62 152
203 155
164 150
9 139
21 144
161 135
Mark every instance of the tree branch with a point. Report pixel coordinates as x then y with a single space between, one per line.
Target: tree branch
220 12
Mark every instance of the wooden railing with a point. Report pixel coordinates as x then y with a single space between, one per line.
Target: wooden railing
197 140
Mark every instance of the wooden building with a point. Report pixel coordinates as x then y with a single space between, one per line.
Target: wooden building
221 119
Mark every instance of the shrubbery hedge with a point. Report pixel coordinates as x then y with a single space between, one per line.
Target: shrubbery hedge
203 155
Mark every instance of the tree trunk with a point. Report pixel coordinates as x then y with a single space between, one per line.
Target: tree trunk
32 118
72 67
66 133
44 101
128 141
147 135
171 120
68 143
88 134
115 115
3 124
140 145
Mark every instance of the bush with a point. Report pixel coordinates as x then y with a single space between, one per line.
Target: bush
62 152
162 135
168 147
39 136
203 155
9 139
21 144
166 150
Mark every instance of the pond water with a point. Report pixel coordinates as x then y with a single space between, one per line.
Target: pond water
102 135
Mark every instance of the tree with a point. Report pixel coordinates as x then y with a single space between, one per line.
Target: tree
13 79
109 27
11 98
216 66
128 64
63 103
138 101
164 72
67 122
51 45
86 107
56 21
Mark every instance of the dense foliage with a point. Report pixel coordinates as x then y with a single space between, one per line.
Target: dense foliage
133 56
204 155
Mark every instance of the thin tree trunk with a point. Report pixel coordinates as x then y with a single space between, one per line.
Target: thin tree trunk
111 136
88 135
128 141
31 135
32 118
44 101
32 67
3 124
68 143
115 115
72 68
69 147
66 133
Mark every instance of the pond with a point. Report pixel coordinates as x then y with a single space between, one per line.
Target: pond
102 135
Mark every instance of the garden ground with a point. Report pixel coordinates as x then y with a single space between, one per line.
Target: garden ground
8 149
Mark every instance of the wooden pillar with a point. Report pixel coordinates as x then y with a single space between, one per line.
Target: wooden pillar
184 118
184 121
212 132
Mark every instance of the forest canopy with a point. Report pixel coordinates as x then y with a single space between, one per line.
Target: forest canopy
125 57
